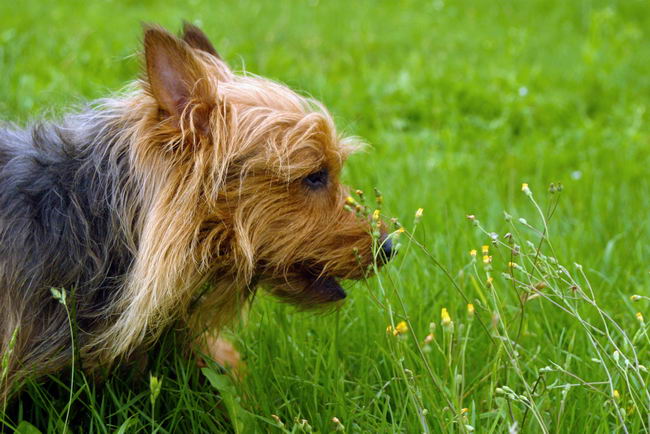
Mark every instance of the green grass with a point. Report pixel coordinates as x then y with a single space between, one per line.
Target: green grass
462 103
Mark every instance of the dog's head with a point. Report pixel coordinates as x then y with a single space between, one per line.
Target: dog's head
267 163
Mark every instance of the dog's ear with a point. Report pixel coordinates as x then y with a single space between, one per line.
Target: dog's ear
197 39
177 78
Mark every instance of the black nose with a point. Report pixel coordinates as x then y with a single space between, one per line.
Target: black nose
387 251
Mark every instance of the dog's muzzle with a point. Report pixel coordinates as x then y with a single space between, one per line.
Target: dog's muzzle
328 289
386 250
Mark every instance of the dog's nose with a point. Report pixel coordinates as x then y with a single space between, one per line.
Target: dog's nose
386 249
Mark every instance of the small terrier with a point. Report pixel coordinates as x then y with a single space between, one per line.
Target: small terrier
170 203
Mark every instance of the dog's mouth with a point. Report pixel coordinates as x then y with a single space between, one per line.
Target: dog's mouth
310 287
326 288
307 288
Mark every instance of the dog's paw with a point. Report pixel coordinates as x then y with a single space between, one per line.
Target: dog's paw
223 353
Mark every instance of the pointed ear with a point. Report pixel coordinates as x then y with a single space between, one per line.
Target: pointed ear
195 38
176 77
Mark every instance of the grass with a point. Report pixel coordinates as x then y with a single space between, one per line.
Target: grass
462 103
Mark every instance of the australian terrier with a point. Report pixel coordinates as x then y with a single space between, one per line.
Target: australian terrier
170 203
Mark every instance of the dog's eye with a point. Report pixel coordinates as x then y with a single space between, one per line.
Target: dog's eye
316 180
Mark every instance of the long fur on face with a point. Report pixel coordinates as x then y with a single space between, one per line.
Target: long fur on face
170 202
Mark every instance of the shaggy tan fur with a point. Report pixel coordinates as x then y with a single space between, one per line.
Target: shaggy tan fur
219 198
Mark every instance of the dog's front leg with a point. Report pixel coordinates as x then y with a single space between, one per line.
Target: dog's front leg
220 350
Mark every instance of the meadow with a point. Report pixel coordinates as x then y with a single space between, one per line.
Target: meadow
518 126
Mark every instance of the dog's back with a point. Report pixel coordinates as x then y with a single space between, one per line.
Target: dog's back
56 230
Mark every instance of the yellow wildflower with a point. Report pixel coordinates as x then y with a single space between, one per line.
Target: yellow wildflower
485 249
401 327
444 316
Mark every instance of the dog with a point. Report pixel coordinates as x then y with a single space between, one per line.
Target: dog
170 203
